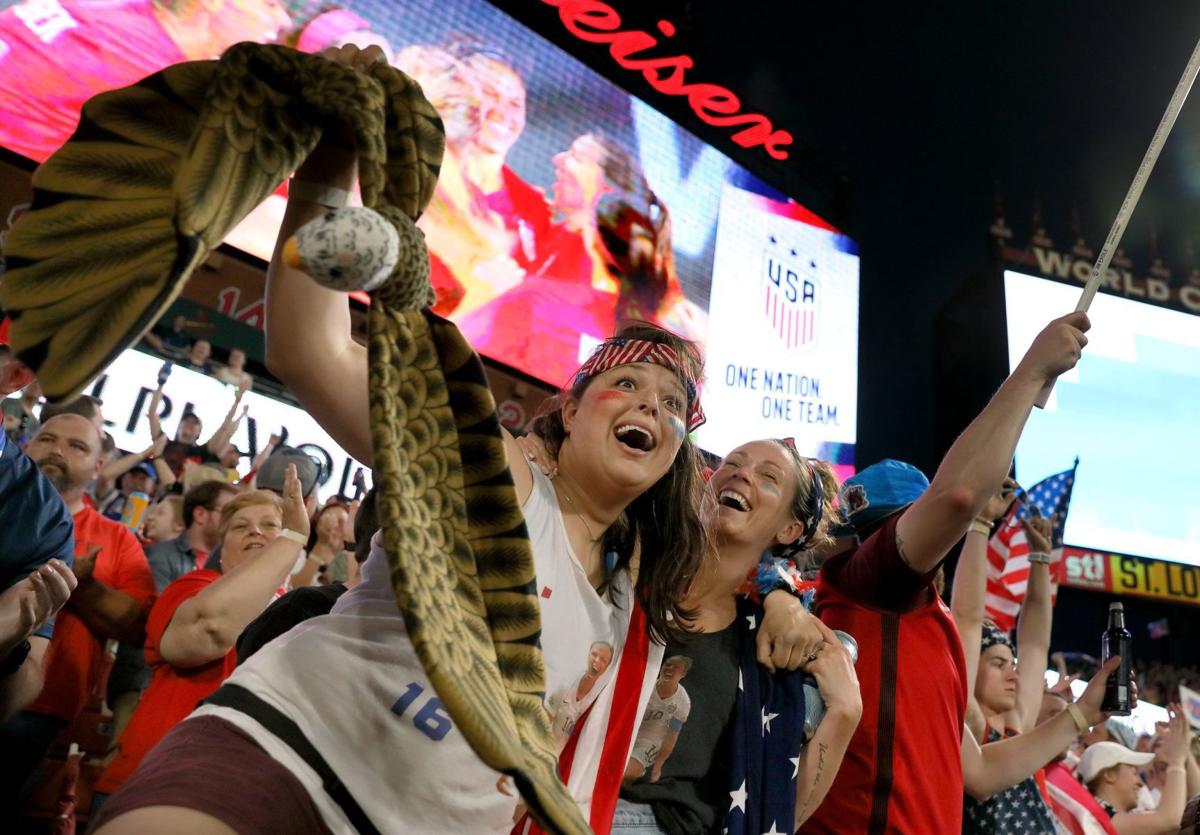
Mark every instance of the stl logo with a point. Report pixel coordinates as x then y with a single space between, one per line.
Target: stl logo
789 297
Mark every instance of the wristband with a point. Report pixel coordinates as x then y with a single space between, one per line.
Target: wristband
294 536
982 527
1080 722
1178 768
328 196
1039 558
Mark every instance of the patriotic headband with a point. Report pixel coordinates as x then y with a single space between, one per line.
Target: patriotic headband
816 499
619 351
991 636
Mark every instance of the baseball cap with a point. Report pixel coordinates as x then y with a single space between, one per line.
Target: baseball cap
145 467
1122 732
1104 755
879 491
271 474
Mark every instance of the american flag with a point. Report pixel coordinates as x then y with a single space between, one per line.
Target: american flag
768 734
1158 629
1008 550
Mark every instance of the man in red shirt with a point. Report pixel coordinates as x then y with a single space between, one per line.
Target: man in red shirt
115 591
903 771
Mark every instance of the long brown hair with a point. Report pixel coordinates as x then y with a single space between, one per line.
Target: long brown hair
663 523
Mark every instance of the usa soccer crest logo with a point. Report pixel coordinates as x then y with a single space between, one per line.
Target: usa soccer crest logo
789 294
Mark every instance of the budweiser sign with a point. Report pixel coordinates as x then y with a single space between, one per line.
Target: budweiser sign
594 21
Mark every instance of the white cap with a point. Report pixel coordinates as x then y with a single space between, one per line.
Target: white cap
1104 755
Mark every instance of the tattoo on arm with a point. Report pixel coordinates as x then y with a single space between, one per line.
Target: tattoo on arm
822 748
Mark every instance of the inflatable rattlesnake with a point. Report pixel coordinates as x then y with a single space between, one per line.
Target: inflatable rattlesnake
154 177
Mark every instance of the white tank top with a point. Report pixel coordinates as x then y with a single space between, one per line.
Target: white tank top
353 683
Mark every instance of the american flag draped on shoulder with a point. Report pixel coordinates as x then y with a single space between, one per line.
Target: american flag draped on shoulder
1008 550
768 734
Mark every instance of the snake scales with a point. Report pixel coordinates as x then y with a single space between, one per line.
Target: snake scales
154 177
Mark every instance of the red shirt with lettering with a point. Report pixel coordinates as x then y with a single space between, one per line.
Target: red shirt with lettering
903 769
75 656
174 691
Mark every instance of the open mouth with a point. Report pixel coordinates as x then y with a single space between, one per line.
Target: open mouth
635 437
734 500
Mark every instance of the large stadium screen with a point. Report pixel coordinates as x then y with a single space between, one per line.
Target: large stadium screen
127 384
565 205
1127 411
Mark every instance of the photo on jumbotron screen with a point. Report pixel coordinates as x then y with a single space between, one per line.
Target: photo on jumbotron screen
1127 411
564 206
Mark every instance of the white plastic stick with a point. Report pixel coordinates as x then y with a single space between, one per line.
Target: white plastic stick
1100 268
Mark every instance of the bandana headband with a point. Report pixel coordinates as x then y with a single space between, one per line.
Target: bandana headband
992 636
619 351
816 498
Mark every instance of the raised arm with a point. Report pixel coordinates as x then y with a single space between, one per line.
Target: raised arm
206 627
999 765
309 346
980 458
822 756
264 454
969 589
152 410
1033 628
233 418
116 468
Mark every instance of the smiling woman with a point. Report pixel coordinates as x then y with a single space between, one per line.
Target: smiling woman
192 629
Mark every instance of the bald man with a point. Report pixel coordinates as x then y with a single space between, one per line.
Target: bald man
115 591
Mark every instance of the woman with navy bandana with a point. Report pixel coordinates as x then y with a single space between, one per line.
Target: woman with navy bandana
721 745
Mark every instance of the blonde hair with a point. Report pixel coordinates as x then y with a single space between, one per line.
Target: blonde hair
202 473
251 498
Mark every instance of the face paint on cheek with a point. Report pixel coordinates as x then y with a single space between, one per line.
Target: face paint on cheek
611 394
677 427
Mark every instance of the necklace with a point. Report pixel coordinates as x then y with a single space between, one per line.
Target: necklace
591 536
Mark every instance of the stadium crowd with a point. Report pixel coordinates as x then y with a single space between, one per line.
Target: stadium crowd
141 581
185 647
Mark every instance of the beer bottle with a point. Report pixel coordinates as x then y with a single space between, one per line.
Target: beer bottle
1117 641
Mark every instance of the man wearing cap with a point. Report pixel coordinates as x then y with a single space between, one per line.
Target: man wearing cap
186 446
37 547
141 478
904 770
1112 773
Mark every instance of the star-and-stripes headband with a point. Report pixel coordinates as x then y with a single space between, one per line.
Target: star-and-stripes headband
619 351
816 497
991 635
